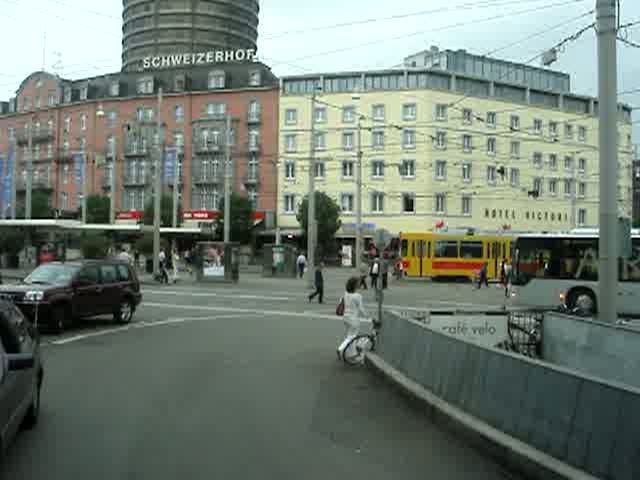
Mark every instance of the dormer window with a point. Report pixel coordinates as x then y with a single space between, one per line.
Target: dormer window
84 92
114 89
67 94
254 78
216 79
180 82
145 85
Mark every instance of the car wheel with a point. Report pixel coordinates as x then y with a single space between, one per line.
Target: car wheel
31 418
124 314
58 322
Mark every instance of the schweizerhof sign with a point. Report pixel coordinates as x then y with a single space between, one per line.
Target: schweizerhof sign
199 58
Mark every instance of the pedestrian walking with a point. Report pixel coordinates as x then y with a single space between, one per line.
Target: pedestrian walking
385 271
136 258
354 313
364 270
301 262
162 261
398 269
482 275
507 269
319 284
374 273
124 255
175 259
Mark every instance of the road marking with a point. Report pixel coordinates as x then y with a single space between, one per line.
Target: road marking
138 325
455 304
213 294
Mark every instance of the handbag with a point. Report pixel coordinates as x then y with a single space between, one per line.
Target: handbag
340 308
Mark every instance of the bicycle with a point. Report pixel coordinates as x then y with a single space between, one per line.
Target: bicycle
357 348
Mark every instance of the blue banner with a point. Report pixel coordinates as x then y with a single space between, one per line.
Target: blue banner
78 167
170 159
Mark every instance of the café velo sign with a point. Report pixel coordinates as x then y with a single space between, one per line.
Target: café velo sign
199 58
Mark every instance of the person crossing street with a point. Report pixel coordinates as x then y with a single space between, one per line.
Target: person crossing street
319 284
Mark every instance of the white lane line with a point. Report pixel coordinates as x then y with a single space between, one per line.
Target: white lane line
213 294
138 325
427 305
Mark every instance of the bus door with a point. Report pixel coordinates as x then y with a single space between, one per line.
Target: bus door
423 254
494 256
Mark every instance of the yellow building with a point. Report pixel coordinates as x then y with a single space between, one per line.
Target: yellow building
444 149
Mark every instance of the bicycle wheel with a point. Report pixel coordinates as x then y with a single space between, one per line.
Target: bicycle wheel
357 348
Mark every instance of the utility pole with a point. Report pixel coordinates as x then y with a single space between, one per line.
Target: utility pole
12 162
359 245
608 138
227 182
158 189
85 171
176 183
29 182
311 201
112 182
574 191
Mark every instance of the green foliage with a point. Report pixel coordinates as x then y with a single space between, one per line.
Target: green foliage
98 207
241 220
144 244
12 241
327 218
166 212
636 223
40 208
94 246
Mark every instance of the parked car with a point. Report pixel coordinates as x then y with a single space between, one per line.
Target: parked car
58 293
21 373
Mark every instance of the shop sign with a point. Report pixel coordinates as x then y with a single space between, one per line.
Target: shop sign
199 58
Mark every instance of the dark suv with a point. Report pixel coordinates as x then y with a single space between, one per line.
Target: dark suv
58 293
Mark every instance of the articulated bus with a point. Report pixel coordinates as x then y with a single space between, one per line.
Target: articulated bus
552 270
453 255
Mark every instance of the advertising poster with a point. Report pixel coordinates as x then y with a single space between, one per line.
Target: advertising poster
347 255
213 260
171 157
278 257
78 168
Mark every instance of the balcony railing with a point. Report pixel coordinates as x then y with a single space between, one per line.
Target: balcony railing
207 178
136 179
202 147
254 146
40 136
136 150
254 117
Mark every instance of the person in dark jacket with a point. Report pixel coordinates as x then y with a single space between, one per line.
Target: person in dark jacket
319 283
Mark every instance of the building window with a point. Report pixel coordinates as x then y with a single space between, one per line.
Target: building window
216 79
320 141
290 143
51 99
377 169
347 169
320 170
515 122
83 121
408 203
112 119
254 78
582 166
252 195
65 174
254 140
582 134
111 146
467 144
466 172
114 89
492 119
346 202
289 203
67 123
553 129
441 112
409 111
441 170
567 188
537 160
440 203
49 150
467 116
377 137
515 149
553 187
37 102
568 131
408 169
441 140
514 177
568 164
378 113
67 94
348 114
466 205
553 161
408 139
582 217
290 170
178 113
347 140
491 174
144 85
377 202
537 185
582 189
216 109
320 115
491 146
83 144
64 201
537 126
290 116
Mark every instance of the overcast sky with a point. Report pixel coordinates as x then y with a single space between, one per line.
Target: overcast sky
84 38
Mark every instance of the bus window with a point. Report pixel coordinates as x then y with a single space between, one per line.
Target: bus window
471 249
446 249
428 249
405 248
422 248
413 249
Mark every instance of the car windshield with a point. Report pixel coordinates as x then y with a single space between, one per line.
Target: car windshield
52 274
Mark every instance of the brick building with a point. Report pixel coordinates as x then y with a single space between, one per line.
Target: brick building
110 123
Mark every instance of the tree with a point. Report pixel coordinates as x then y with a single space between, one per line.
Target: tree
241 219
40 207
166 212
636 223
94 246
328 218
144 244
98 207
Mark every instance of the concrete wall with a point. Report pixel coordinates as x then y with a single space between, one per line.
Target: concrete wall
611 352
583 421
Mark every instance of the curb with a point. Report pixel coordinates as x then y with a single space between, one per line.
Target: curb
515 455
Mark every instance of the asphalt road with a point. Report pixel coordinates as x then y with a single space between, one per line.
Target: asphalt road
233 382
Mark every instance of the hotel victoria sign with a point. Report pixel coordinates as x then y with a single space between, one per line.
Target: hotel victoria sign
199 58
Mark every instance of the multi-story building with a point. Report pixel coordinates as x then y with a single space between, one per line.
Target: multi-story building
444 150
636 184
87 132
